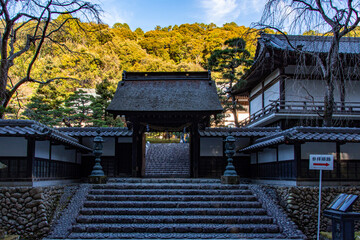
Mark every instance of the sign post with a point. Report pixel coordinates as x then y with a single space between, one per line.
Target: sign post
320 162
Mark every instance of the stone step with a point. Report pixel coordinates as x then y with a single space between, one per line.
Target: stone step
174 219
174 211
171 186
184 198
176 228
193 236
168 192
163 180
171 204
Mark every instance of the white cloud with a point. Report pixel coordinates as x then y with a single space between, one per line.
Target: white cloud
220 11
113 12
223 11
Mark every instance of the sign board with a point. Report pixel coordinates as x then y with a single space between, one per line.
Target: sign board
343 202
321 162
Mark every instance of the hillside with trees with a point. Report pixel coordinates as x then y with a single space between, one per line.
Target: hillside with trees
89 54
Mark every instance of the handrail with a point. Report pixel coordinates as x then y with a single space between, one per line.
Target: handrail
300 106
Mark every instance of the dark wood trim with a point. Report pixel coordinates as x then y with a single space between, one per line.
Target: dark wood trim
277 162
282 88
195 149
135 140
30 157
262 96
297 158
50 151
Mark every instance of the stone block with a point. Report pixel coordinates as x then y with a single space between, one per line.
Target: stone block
230 179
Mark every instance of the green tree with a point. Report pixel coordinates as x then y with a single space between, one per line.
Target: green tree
230 62
26 27
105 92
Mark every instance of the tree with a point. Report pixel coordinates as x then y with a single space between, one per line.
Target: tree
334 19
230 61
26 27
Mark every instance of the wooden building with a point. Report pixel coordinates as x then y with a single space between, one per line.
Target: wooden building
285 89
172 101
35 154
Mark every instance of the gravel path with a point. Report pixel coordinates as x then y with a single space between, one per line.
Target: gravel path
63 223
289 229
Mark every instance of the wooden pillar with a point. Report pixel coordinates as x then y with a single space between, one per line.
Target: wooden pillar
297 161
30 157
195 149
135 153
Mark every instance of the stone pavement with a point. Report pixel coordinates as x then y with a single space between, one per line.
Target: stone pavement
172 209
167 160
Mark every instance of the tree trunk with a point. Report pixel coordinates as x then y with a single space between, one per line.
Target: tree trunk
331 77
328 105
233 102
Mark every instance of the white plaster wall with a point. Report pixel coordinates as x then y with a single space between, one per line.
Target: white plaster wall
271 77
60 153
42 149
255 104
307 90
285 152
211 147
317 148
13 146
267 155
272 93
352 91
256 89
350 151
253 158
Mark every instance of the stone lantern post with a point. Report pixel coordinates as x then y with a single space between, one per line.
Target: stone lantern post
97 175
230 175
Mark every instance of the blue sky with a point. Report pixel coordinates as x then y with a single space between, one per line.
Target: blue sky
146 14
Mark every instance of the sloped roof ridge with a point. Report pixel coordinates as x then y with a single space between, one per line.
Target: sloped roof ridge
243 129
65 129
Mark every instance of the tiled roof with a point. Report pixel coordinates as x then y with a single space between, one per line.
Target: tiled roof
239 132
36 129
309 134
92 131
310 43
165 92
264 61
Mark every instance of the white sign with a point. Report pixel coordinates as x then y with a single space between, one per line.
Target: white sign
321 162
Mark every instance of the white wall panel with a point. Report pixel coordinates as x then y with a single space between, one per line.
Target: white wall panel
317 148
255 104
286 152
13 146
267 155
42 149
350 151
272 94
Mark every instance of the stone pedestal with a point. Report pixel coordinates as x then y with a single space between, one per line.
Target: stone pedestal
97 179
230 179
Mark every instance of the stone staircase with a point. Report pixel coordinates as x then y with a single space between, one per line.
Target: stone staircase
172 209
167 160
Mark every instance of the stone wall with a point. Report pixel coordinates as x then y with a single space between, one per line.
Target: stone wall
28 211
301 205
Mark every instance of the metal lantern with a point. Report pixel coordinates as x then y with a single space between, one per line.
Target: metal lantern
98 146
230 151
230 175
